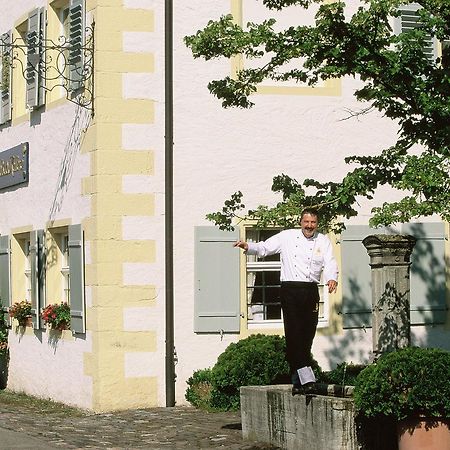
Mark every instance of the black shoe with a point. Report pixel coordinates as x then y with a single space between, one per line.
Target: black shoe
297 390
306 389
309 388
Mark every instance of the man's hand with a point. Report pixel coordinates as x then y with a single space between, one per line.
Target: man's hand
332 286
241 244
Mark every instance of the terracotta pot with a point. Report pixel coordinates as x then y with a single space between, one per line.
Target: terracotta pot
60 327
423 433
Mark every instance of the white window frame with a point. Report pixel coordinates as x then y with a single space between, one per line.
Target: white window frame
252 265
65 267
27 270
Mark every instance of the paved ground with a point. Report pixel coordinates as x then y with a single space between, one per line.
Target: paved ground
23 427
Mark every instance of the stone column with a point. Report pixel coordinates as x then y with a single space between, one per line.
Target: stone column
390 261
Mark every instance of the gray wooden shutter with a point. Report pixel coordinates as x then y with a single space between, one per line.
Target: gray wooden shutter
33 57
428 273
356 278
42 38
5 77
42 265
217 302
34 269
76 42
410 20
76 279
5 271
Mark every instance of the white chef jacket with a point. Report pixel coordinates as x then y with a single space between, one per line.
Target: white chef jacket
302 258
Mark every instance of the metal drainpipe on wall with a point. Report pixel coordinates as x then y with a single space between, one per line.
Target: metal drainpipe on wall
169 310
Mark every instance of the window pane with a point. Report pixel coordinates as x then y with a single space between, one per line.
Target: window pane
263 294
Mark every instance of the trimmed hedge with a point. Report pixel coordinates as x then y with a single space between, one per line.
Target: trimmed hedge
255 361
408 382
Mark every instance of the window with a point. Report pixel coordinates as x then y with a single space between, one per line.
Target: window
58 265
59 33
263 282
25 244
219 288
428 291
77 40
22 268
18 82
28 271
409 20
253 11
5 77
35 38
263 287
65 270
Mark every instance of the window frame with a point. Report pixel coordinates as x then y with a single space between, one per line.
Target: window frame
251 324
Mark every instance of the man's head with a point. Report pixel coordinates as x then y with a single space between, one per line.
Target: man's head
309 221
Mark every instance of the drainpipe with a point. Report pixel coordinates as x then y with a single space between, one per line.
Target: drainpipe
168 94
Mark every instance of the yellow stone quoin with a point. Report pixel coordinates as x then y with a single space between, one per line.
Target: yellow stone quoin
109 205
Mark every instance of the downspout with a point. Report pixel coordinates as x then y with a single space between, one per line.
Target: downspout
168 94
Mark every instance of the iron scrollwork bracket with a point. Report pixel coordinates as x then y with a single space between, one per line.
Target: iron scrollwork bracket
63 64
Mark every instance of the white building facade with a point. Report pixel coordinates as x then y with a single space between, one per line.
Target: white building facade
86 224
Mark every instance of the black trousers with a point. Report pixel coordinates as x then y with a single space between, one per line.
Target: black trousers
300 305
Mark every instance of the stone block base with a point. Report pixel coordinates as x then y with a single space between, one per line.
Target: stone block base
271 414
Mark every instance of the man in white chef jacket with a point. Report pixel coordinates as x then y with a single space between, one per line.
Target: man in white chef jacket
305 255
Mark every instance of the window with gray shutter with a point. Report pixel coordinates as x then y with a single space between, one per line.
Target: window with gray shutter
76 277
32 72
35 58
217 301
5 77
428 295
37 267
76 42
410 20
42 37
356 277
428 304
5 271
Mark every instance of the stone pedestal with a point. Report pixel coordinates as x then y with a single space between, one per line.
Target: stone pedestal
390 262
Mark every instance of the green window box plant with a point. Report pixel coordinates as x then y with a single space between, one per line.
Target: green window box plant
57 316
21 311
410 386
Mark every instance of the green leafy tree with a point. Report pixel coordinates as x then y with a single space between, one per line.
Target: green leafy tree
397 78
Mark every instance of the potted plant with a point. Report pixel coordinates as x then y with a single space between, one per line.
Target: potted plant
4 354
21 311
57 316
411 386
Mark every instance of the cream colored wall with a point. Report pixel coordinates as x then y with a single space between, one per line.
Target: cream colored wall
51 198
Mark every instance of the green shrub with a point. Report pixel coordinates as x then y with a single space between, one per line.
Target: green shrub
254 361
343 374
408 382
199 389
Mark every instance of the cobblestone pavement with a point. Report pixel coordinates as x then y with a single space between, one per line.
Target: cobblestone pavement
156 428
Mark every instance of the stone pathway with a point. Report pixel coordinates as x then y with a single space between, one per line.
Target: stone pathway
156 428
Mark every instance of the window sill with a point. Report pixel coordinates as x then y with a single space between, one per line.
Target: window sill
274 324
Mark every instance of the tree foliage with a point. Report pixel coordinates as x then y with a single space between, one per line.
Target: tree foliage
397 78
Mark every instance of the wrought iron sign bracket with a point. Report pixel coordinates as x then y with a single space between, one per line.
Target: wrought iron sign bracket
47 65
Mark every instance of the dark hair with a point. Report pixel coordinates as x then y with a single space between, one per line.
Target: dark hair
312 211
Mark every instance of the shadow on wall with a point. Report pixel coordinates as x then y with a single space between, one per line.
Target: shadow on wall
357 317
428 278
428 300
80 124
